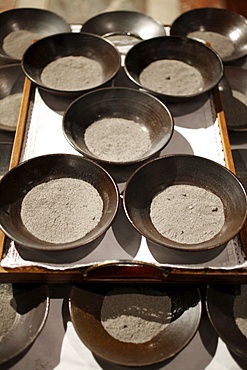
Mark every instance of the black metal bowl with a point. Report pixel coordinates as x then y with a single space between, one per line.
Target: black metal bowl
222 21
124 103
124 22
31 305
11 82
41 22
22 178
44 51
225 304
85 306
124 28
183 49
158 174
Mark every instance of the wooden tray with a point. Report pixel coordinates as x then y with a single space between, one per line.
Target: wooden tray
125 270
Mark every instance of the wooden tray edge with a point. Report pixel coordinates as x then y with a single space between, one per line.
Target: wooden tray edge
18 140
228 154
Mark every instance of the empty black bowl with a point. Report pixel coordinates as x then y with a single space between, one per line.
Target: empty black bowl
124 22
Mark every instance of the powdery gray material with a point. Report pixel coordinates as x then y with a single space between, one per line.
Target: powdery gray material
117 139
61 210
16 43
10 109
72 73
220 43
187 214
7 311
135 315
240 310
171 77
